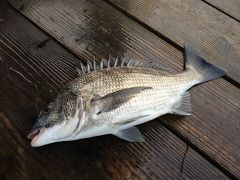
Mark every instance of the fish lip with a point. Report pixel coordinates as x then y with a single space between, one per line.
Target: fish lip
34 133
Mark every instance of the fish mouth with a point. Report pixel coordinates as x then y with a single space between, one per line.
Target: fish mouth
34 133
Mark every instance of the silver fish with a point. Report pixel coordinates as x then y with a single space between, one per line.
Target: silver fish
116 95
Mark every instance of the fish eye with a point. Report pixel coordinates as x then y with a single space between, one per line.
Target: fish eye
46 110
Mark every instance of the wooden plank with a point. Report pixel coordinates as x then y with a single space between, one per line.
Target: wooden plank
15 161
213 33
10 164
25 64
230 7
89 29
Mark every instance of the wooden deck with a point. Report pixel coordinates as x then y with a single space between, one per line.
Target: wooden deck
42 41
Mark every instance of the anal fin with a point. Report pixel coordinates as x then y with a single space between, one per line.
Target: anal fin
131 134
183 107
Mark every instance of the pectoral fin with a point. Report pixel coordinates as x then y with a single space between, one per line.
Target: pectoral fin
129 120
132 134
116 99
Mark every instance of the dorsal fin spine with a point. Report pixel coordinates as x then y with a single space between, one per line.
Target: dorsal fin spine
79 71
101 64
94 65
130 60
88 66
124 62
82 68
108 62
116 62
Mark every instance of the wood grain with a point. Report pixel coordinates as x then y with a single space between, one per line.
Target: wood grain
230 7
15 160
214 34
88 29
32 69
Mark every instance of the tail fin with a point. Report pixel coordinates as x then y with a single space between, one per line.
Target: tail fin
204 70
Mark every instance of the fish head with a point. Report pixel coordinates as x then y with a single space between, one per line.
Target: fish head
58 121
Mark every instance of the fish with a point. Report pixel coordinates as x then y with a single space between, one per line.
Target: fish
116 95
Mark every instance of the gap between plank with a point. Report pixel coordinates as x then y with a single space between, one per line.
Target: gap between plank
222 11
158 34
18 139
166 39
43 43
201 152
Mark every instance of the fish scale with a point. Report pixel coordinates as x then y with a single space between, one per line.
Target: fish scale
155 100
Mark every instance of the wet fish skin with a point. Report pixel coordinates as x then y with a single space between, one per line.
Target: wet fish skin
113 100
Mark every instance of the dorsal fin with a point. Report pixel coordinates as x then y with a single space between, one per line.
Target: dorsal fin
126 61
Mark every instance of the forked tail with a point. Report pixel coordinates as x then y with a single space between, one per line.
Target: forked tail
203 70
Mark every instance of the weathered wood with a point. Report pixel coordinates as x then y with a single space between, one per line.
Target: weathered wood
194 22
230 7
88 29
30 67
15 160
